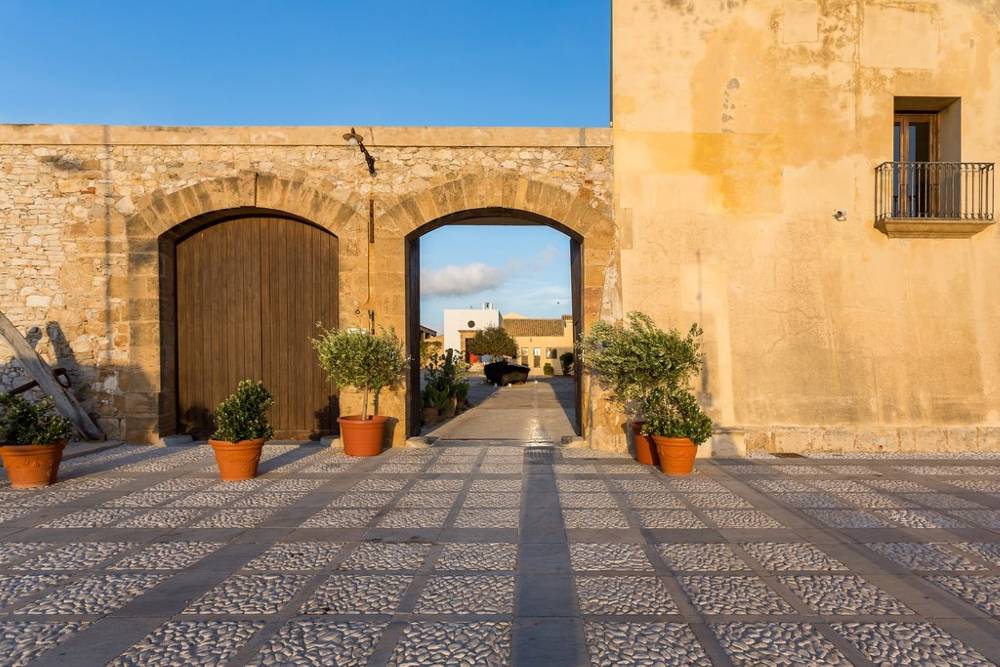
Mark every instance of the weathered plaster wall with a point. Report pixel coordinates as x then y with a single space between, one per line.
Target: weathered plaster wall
82 209
739 128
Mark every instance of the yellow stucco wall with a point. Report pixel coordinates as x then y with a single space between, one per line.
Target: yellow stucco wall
738 129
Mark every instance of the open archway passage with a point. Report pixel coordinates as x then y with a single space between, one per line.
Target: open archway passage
525 273
250 291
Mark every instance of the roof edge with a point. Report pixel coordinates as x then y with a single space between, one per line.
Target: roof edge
415 136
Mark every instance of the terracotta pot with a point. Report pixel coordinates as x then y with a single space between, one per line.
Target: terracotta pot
450 407
30 466
676 455
362 437
430 415
237 460
645 449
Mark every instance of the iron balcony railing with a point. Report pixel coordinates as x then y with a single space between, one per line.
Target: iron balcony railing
934 190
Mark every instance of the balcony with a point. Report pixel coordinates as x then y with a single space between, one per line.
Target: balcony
933 199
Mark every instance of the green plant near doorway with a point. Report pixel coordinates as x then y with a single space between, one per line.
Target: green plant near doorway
243 415
447 374
435 397
630 359
547 369
369 362
242 427
647 369
675 413
358 358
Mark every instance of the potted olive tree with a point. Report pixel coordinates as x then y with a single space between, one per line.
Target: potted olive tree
677 425
32 438
369 362
632 359
241 428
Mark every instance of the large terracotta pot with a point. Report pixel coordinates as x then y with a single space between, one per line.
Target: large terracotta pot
676 455
362 437
30 466
645 448
430 415
237 460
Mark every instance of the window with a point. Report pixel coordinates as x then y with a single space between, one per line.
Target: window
552 353
538 357
914 147
926 189
914 137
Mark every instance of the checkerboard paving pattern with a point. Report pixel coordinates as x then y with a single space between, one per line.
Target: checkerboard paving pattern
479 552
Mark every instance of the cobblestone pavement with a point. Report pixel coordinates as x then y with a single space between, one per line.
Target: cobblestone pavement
485 552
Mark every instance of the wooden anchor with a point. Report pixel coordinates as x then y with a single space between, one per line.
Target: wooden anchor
48 381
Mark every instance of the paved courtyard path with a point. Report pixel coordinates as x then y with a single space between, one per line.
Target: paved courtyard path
491 553
541 410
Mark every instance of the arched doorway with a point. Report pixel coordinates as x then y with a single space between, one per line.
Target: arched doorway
484 217
249 290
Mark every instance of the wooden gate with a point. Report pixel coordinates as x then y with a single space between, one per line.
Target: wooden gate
249 294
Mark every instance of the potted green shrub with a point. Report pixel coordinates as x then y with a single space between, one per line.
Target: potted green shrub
632 359
446 373
462 395
547 369
369 362
677 425
433 399
241 428
566 360
32 438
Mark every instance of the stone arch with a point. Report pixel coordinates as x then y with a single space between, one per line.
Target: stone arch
162 211
147 301
577 212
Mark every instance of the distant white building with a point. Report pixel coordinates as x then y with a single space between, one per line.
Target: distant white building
461 324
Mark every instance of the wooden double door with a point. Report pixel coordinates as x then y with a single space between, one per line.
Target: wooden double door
250 292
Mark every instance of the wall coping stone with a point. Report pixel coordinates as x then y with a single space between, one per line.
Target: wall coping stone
444 137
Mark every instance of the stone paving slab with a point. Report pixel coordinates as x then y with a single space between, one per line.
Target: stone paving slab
496 552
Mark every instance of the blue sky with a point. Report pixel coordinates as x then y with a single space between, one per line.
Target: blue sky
520 269
363 62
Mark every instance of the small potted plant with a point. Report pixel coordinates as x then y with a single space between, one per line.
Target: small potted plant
677 425
441 402
369 362
446 374
462 395
430 410
632 359
32 438
241 428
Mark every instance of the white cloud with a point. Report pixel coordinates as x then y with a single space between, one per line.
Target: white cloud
546 256
455 280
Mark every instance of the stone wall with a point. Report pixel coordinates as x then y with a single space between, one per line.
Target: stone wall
83 210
